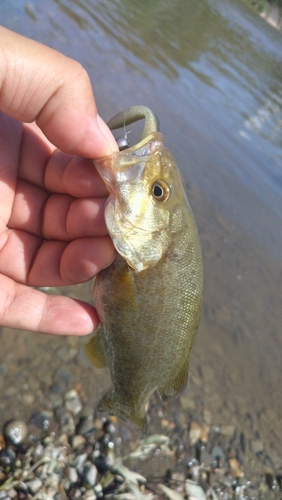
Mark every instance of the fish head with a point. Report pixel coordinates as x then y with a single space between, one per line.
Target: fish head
144 206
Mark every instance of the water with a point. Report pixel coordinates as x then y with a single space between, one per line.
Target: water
212 72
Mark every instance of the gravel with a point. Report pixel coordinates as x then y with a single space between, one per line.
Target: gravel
67 453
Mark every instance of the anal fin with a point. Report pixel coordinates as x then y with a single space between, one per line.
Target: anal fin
95 352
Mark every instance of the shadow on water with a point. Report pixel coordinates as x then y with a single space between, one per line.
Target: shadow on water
211 70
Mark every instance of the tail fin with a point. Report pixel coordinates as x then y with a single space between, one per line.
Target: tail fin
111 404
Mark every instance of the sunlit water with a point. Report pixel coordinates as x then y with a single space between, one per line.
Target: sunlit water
212 72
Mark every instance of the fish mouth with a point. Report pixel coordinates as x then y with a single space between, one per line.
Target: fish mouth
130 163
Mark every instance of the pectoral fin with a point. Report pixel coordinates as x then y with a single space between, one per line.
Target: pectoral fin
175 385
95 352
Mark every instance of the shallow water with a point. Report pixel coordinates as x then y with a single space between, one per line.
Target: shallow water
212 72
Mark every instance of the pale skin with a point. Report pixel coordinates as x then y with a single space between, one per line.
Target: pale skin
52 229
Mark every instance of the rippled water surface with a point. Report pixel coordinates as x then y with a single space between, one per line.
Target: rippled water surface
212 72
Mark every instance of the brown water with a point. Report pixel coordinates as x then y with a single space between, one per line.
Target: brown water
212 72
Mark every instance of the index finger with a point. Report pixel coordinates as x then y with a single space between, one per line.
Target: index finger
39 83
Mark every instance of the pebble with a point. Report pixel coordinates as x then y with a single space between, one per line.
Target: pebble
66 420
207 417
16 431
42 420
235 468
27 399
98 489
72 475
3 369
68 463
257 446
89 474
227 431
78 441
7 456
187 404
12 493
197 433
72 402
2 442
66 354
79 462
65 375
86 425
218 453
34 485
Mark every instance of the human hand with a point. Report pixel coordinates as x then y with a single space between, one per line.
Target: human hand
52 229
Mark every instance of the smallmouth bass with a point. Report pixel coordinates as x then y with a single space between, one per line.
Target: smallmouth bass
149 299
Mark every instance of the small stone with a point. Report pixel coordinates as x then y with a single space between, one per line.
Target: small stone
16 431
194 490
218 453
42 420
72 475
195 432
90 495
2 442
235 468
34 485
206 458
27 399
3 369
86 425
65 375
257 446
80 461
102 464
98 490
66 354
227 431
66 421
89 474
7 456
187 404
56 389
207 416
72 402
12 493
77 441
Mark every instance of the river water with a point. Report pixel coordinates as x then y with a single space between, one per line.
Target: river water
212 72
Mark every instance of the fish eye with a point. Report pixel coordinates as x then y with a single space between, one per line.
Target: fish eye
160 191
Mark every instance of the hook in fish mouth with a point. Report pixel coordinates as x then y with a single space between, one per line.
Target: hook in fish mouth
131 115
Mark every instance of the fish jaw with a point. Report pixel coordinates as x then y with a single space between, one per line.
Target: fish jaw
139 225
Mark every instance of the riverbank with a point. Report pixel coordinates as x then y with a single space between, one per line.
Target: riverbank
271 12
65 452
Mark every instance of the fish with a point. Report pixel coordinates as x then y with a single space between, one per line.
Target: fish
149 299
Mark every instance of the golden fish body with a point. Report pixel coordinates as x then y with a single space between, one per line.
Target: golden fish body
149 299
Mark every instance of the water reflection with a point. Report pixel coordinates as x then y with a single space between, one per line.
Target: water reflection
181 39
267 121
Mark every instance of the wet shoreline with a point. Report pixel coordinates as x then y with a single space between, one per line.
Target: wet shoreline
67 452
